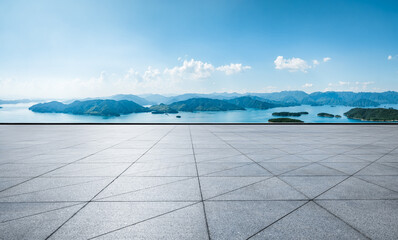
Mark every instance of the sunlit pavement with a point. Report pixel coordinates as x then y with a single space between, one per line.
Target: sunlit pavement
198 182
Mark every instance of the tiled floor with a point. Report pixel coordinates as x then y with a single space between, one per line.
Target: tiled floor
199 182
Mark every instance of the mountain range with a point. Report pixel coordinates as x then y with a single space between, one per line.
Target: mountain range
288 98
111 107
284 98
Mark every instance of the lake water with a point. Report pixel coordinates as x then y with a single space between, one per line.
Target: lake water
19 113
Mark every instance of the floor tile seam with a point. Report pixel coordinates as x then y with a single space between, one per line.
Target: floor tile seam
65 165
239 188
279 219
200 187
317 162
145 220
348 224
59 187
383 164
74 214
376 184
332 168
273 174
293 154
227 169
151 187
297 153
36 214
283 173
349 176
185 164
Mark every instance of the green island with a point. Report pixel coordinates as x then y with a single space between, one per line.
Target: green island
204 104
289 114
284 120
90 107
116 108
373 114
250 102
162 109
325 115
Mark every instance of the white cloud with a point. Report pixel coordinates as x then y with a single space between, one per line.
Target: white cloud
307 85
391 57
341 83
350 86
232 68
292 64
187 77
192 69
326 59
315 62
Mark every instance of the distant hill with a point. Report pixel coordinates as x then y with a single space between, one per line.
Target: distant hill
90 107
373 114
249 102
364 103
15 101
154 98
284 98
131 97
332 98
204 104
219 96
351 98
119 97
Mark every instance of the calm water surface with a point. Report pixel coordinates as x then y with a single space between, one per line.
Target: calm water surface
19 113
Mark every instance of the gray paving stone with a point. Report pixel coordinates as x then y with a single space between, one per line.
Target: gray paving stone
354 188
240 220
161 169
388 158
344 159
270 189
376 219
123 186
26 170
247 170
313 186
186 223
314 169
90 170
213 186
101 217
33 220
186 190
309 222
278 168
159 195
378 169
55 189
348 168
390 182
8 182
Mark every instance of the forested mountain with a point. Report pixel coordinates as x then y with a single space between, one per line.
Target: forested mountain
90 107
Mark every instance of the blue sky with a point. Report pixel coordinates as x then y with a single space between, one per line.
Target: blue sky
97 48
